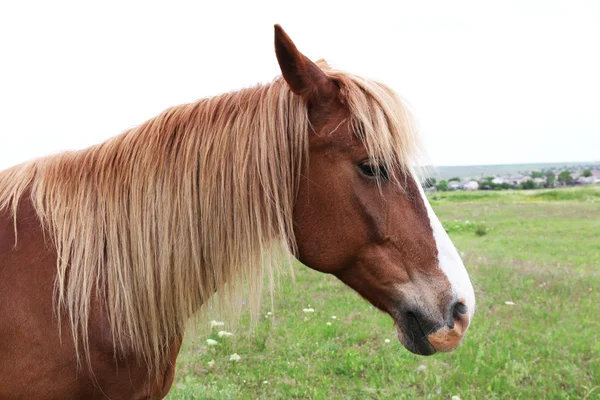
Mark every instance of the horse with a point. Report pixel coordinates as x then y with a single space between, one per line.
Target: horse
107 253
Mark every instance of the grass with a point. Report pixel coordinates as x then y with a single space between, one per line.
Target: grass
541 251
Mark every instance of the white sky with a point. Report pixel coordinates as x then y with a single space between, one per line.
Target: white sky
489 82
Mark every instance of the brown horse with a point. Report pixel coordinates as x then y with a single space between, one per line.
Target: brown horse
106 253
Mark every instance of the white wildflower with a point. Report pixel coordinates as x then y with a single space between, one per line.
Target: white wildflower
328 323
234 357
214 323
265 382
224 334
211 342
333 317
269 313
509 303
211 363
421 368
308 310
455 398
387 340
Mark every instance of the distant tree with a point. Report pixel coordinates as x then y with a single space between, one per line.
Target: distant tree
565 177
550 178
488 184
528 184
456 178
442 186
537 174
587 173
429 182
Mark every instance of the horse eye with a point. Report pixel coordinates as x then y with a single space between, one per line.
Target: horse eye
374 170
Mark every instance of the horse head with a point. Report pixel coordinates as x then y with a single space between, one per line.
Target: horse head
360 213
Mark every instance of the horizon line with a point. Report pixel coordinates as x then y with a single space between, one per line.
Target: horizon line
516 163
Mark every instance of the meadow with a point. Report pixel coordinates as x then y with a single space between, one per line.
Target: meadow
534 259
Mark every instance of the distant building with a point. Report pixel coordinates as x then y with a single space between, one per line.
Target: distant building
585 180
539 181
453 185
469 185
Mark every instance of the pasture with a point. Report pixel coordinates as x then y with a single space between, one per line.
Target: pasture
535 334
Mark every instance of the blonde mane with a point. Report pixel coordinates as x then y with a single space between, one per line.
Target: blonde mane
195 201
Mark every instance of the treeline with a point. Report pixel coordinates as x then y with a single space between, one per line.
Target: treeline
550 181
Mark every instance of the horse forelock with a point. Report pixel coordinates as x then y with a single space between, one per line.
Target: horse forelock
382 121
195 201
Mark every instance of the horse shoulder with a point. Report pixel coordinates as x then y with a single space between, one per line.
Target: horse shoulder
37 359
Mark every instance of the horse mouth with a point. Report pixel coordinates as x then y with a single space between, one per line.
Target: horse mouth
412 336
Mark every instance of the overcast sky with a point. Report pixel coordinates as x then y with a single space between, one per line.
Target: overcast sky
489 82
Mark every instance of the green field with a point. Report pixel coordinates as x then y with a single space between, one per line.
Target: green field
537 249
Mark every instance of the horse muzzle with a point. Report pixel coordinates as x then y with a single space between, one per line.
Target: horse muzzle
425 335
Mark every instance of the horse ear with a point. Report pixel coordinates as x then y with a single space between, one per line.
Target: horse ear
303 76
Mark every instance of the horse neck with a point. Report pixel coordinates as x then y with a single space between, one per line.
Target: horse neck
161 217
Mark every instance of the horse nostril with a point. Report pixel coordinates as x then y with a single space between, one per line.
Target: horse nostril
459 309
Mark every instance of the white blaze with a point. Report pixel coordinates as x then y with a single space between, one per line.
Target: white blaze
450 261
